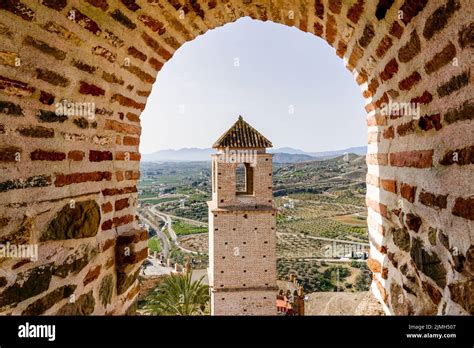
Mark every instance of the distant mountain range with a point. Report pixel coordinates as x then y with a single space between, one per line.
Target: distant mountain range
280 155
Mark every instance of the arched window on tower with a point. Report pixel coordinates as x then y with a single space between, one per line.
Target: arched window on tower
244 179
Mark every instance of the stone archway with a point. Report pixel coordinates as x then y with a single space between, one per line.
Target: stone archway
59 171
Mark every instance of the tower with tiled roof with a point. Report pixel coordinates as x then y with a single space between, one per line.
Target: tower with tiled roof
242 225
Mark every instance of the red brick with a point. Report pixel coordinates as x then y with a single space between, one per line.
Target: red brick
104 53
132 237
107 225
36 132
440 59
411 8
18 8
156 64
390 69
107 207
433 292
406 128
102 4
131 141
76 16
371 88
318 29
464 207
155 46
137 54
127 156
356 55
389 133
374 265
131 5
153 24
461 157
46 98
122 127
425 98
92 275
121 191
40 155
415 159
99 156
122 220
76 178
410 49
361 77
142 75
396 30
335 6
107 244
121 204
125 101
119 176
408 192
383 46
389 185
15 87
86 88
341 48
319 9
133 117
381 289
75 155
133 292
383 100
331 29
407 83
9 154
132 175
433 200
144 93
354 13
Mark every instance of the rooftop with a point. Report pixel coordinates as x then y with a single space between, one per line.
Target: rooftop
242 135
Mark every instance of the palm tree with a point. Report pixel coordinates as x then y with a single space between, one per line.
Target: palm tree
179 295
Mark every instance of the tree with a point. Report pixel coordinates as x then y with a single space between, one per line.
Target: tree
179 295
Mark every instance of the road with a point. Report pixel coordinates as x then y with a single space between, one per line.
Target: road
190 221
165 243
168 223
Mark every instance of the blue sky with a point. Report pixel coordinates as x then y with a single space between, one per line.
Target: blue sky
289 85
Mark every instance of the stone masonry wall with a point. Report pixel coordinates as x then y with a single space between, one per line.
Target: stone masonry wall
62 171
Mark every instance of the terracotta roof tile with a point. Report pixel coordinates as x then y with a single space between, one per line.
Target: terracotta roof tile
242 135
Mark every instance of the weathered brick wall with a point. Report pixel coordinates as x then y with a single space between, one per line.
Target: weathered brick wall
242 242
58 171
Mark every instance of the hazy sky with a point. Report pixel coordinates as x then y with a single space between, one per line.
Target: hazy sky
289 85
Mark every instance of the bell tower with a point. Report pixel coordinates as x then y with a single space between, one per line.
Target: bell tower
242 225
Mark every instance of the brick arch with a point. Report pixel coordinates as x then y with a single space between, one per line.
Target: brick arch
68 182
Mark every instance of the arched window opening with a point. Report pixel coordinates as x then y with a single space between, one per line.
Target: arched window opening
244 179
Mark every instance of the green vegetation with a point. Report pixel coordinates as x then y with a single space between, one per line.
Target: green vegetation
159 200
328 199
178 295
198 261
154 244
364 278
321 276
182 228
